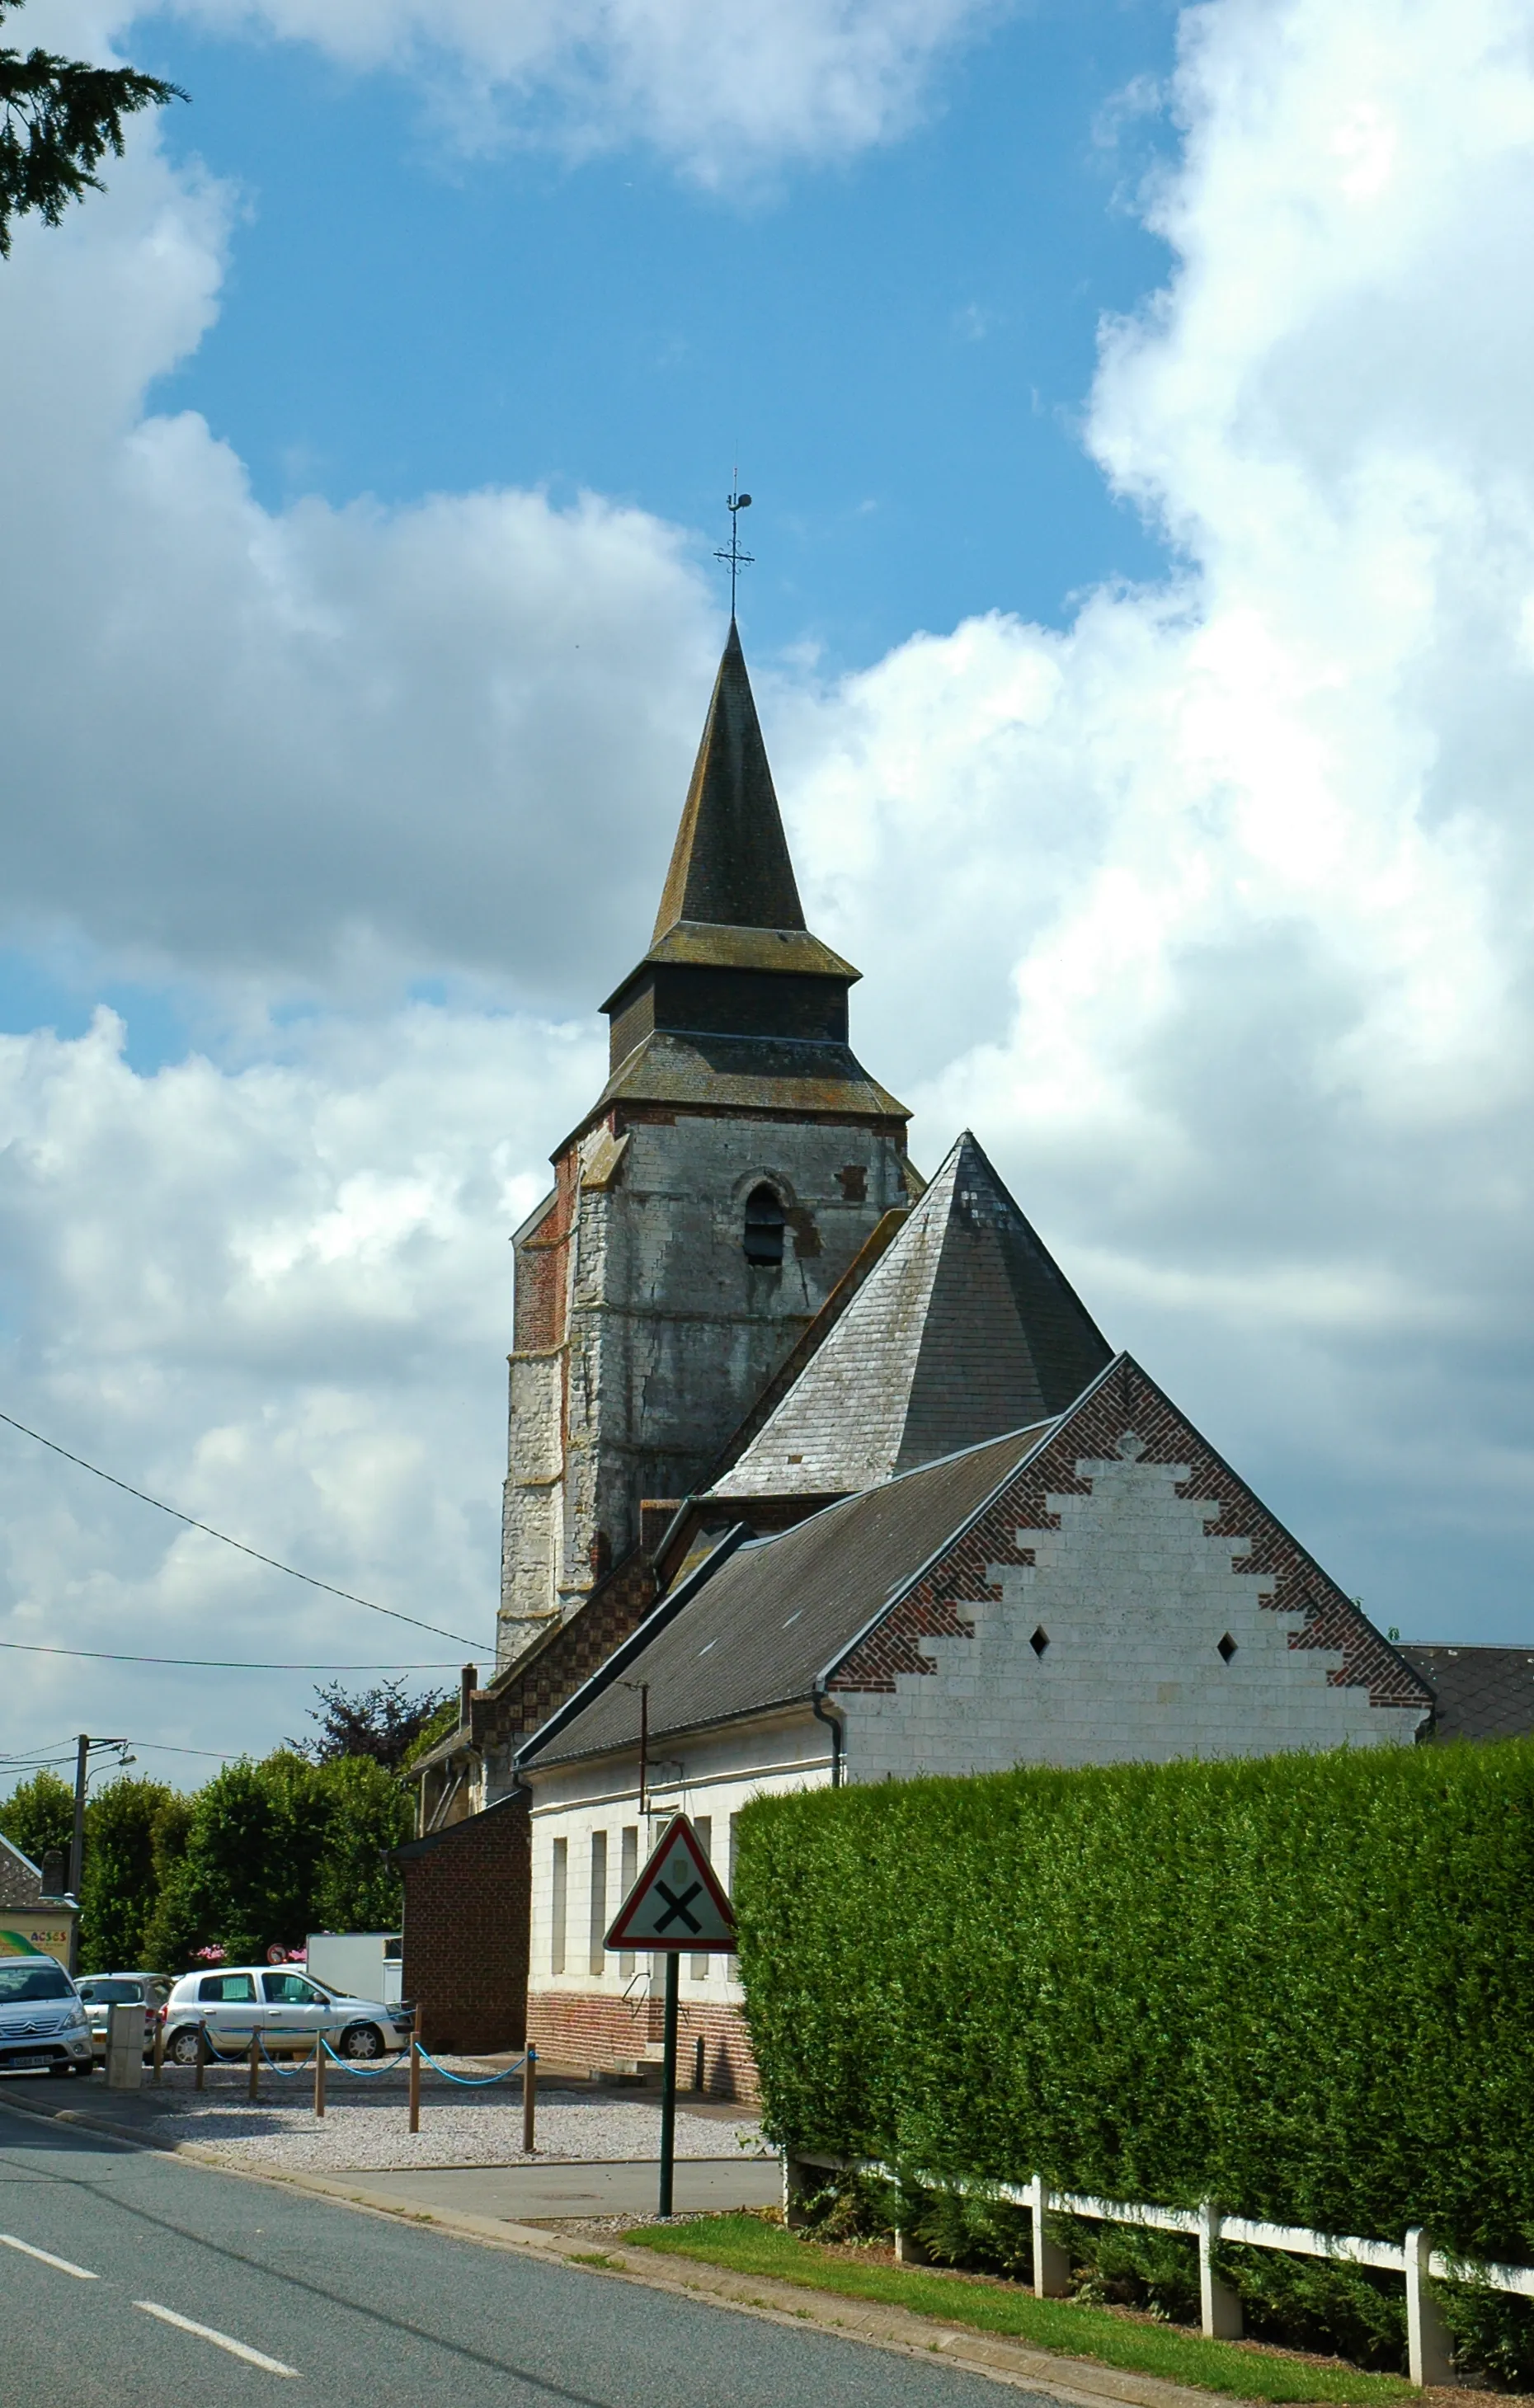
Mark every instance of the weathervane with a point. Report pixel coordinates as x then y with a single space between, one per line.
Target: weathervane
735 503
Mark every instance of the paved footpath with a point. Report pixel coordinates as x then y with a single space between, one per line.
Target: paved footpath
130 2279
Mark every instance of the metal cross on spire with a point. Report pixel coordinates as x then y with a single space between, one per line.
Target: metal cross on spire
735 503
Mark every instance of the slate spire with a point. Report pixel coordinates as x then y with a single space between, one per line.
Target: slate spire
730 866
966 1328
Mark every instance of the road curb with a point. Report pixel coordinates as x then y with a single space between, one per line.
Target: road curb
1080 2383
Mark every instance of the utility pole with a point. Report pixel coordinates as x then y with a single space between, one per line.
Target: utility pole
77 1845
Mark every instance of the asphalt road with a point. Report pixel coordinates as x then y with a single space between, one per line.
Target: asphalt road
125 2254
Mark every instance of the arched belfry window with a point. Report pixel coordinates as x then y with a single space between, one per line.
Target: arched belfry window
764 1223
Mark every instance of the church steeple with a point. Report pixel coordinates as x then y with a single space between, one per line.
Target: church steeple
735 1004
730 866
707 1204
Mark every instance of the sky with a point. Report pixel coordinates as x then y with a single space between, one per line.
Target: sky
1133 401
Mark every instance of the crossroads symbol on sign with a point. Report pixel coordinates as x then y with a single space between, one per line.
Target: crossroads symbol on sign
675 1906
678 1901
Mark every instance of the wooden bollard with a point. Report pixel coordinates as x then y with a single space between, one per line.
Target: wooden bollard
254 2092
318 2073
529 2101
415 2085
160 2047
202 2056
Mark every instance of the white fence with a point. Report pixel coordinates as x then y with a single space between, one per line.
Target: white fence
1429 2355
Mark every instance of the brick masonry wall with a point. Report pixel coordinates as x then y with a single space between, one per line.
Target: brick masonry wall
613 2035
521 1703
472 1880
466 1931
1128 1550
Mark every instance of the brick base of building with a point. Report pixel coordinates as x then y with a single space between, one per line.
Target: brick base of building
608 2035
467 1890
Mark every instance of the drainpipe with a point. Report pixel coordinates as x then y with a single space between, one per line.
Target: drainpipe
829 1715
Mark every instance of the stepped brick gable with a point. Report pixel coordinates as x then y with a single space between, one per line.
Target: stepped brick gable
1122 1594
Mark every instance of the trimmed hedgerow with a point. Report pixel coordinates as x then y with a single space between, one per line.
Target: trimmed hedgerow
1303 1986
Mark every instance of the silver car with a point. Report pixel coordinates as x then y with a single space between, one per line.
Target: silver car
42 2023
276 2000
101 1992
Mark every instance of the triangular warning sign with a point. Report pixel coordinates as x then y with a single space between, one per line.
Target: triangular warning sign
677 1902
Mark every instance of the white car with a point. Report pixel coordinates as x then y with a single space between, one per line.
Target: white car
276 1998
42 2023
101 1992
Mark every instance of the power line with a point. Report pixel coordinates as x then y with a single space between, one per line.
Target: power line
214 1663
208 1530
163 1747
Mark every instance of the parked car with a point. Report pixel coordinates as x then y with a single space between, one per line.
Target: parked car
276 1998
42 2022
101 1992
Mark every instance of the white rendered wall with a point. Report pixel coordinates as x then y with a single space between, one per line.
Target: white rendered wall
718 1775
1134 1599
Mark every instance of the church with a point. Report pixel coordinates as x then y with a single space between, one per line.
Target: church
817 1472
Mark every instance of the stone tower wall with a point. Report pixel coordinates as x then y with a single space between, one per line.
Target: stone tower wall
643 1332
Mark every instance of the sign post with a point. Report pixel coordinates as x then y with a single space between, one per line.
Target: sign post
676 1907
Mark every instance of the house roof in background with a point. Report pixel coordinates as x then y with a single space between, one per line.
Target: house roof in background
1478 1692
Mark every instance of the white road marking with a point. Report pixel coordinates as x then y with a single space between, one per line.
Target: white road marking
220 2341
81 2273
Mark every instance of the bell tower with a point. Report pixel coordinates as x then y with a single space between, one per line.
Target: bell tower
703 1210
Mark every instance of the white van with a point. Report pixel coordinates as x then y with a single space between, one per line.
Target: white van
364 1964
42 2023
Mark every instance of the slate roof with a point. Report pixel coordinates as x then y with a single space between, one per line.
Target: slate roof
966 1328
730 864
760 1074
1478 1692
721 1645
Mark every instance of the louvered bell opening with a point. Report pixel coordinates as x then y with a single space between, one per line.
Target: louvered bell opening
766 1221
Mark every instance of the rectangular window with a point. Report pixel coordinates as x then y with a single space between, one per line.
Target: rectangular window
704 1825
597 1960
556 1916
629 1874
731 1961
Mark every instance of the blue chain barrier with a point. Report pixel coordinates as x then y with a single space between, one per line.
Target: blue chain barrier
216 2057
471 2080
287 2072
351 2065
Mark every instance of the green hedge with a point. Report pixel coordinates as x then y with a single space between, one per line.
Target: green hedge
1303 1986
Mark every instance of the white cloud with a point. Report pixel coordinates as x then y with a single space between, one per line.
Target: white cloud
326 744
280 1298
1211 913
725 88
1254 852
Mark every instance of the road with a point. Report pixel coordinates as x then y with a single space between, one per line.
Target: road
130 2280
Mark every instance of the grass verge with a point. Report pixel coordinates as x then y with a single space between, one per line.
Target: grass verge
744 2244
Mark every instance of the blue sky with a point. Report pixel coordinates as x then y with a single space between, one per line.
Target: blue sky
901 345
1143 629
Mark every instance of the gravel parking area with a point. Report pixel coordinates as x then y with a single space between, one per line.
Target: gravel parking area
365 2126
